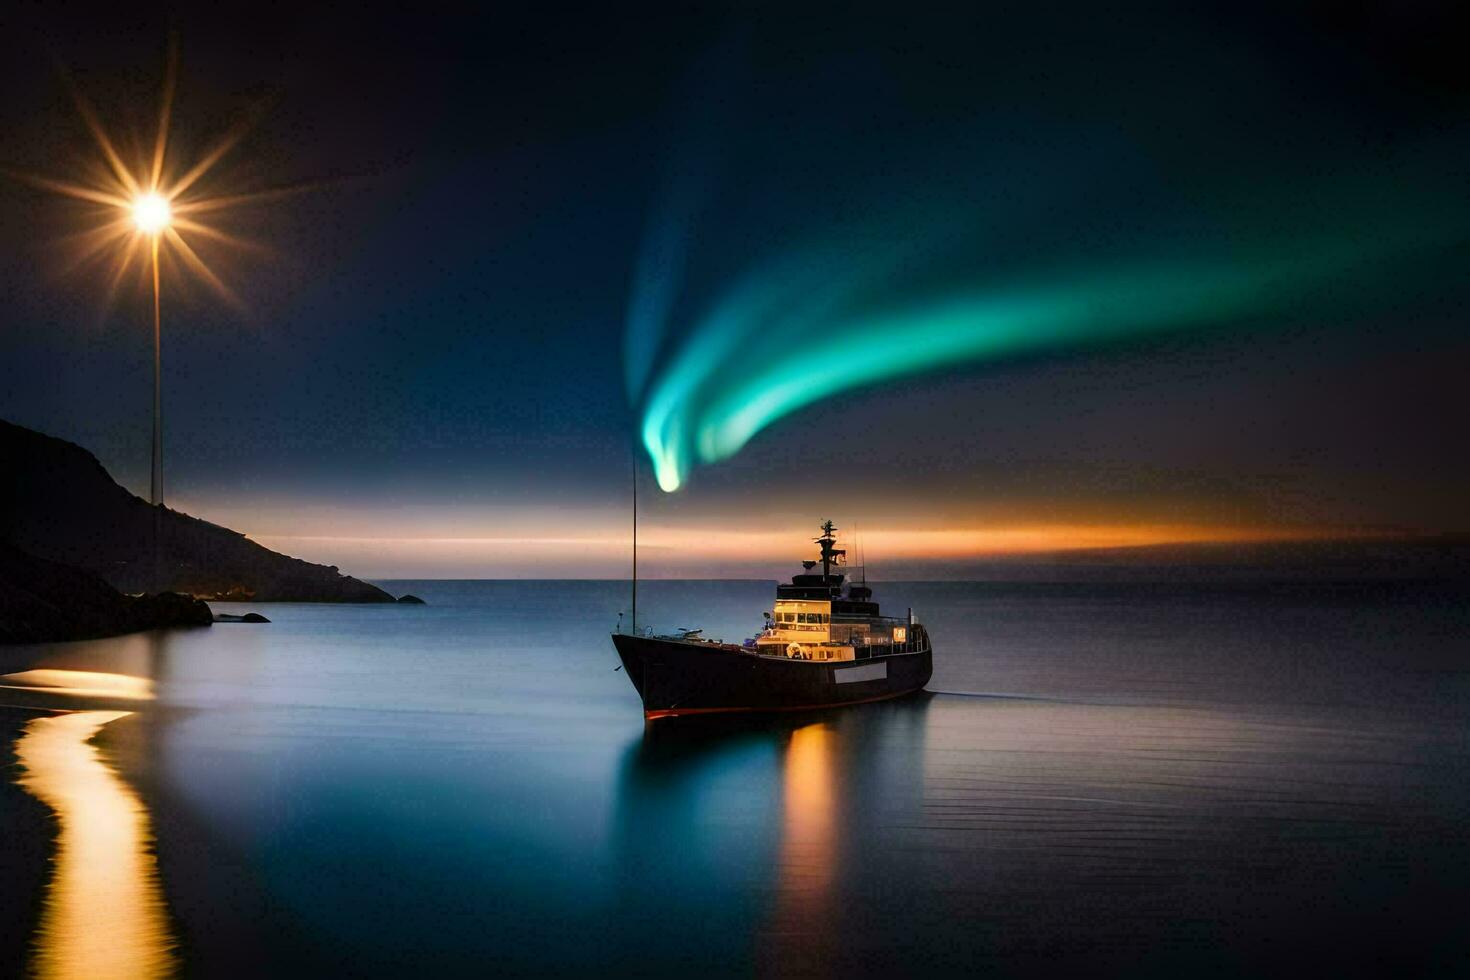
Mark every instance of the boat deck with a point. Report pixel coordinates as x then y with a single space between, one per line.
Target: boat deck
873 650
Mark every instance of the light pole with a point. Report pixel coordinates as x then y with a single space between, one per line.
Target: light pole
150 210
151 215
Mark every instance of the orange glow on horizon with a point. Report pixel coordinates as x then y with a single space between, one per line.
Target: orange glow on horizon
456 540
959 543
608 550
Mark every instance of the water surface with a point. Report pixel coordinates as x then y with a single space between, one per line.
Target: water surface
1119 778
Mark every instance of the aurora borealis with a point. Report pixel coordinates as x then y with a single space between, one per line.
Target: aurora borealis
1120 278
812 321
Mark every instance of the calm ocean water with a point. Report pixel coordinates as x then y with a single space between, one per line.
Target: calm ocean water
1122 779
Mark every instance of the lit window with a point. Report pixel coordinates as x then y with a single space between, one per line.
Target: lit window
900 634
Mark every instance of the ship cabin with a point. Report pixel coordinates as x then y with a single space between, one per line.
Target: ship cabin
825 617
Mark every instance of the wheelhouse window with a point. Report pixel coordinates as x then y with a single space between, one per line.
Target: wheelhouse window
802 616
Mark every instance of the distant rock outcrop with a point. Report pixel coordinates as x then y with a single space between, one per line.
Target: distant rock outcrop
412 600
58 503
247 618
43 601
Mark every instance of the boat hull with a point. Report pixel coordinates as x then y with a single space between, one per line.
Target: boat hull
679 677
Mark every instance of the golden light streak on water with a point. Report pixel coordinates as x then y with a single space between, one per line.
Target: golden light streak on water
802 915
809 820
80 683
103 914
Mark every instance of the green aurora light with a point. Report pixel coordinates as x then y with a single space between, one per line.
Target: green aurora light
807 326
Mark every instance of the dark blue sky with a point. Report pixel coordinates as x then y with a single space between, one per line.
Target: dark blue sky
434 347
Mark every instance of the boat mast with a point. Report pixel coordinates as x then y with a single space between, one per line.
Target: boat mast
827 540
825 544
635 540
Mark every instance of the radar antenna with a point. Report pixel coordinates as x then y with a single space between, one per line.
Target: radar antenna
830 555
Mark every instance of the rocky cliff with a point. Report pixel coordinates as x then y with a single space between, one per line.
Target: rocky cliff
57 503
42 601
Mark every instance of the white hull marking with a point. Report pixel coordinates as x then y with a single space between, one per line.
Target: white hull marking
867 672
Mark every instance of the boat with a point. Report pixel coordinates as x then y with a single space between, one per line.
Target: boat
824 644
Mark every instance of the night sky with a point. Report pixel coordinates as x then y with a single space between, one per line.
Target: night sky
522 226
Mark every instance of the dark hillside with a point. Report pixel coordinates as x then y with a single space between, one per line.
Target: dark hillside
42 602
58 503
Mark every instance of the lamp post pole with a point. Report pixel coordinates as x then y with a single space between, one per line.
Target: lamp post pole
156 482
155 488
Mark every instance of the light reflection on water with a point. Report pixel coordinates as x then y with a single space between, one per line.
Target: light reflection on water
80 683
1193 784
103 913
807 863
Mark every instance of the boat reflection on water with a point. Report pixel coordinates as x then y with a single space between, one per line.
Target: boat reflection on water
103 913
740 829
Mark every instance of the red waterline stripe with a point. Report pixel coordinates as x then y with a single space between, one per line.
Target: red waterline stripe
676 712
